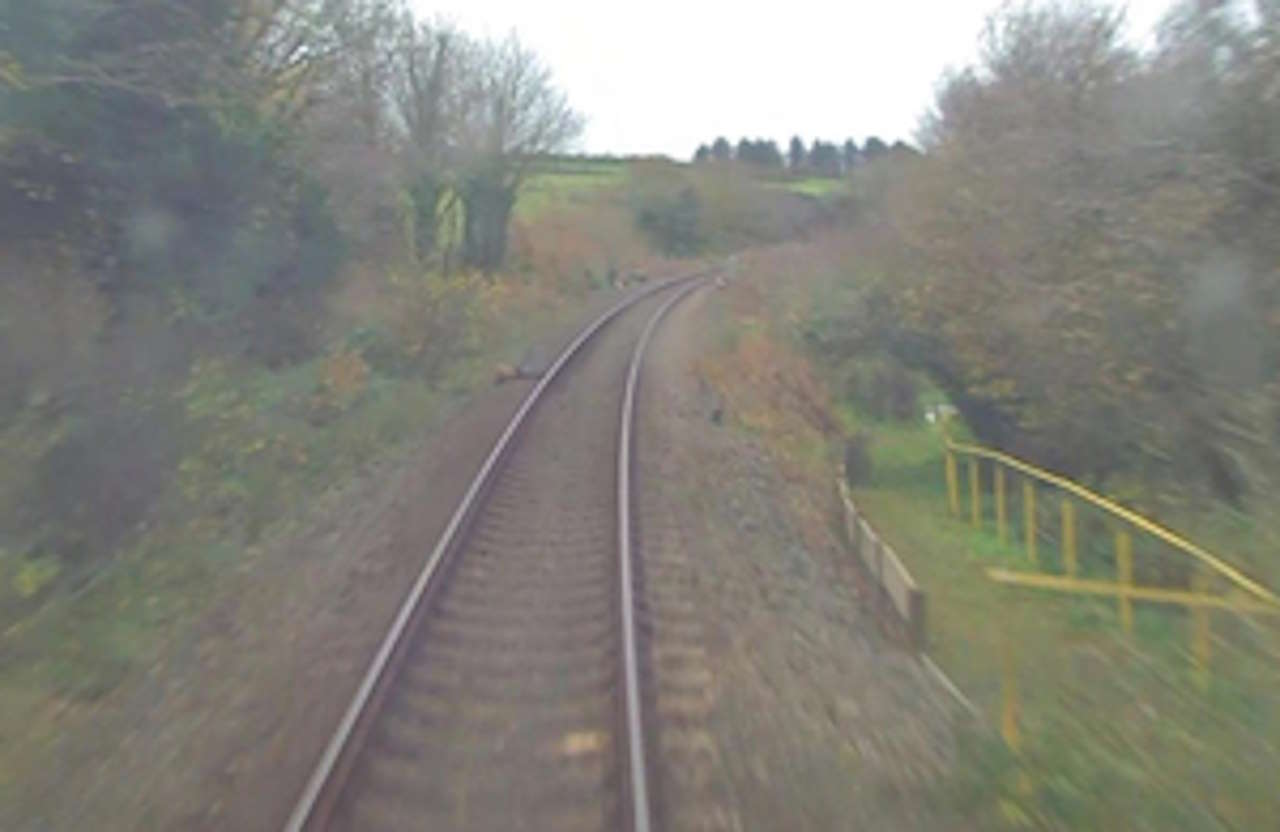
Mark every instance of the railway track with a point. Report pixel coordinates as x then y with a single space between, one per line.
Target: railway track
507 693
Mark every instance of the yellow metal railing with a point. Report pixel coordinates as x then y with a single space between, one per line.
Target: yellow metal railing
1245 596
974 453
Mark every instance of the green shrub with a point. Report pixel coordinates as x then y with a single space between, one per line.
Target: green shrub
672 220
33 574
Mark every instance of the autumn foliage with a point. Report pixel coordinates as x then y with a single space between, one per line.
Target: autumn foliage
1085 257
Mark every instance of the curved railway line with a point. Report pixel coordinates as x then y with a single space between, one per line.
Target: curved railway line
508 693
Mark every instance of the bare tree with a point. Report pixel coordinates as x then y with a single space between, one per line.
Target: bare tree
175 53
421 95
424 101
350 139
510 112
400 117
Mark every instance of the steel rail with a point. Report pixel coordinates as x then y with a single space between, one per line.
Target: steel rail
322 787
640 808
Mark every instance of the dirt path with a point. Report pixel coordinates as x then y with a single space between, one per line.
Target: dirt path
779 703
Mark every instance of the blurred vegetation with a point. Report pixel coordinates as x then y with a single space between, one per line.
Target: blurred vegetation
247 247
1084 259
1117 733
1083 263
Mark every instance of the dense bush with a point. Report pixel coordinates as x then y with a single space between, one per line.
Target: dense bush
185 191
1084 259
687 209
883 389
672 220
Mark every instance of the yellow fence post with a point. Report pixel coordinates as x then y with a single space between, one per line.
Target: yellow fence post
1010 730
1124 574
1201 646
975 497
953 486
1069 537
1029 519
1002 518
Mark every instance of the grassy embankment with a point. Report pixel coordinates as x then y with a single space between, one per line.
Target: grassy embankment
557 183
1116 733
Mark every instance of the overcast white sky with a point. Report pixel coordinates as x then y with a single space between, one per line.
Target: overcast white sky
662 76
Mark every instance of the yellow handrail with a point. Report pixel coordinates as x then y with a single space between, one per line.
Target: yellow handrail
1156 595
1137 520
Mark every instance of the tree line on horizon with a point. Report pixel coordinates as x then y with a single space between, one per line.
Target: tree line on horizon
820 158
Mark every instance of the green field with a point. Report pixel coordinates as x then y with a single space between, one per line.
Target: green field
555 184
814 186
